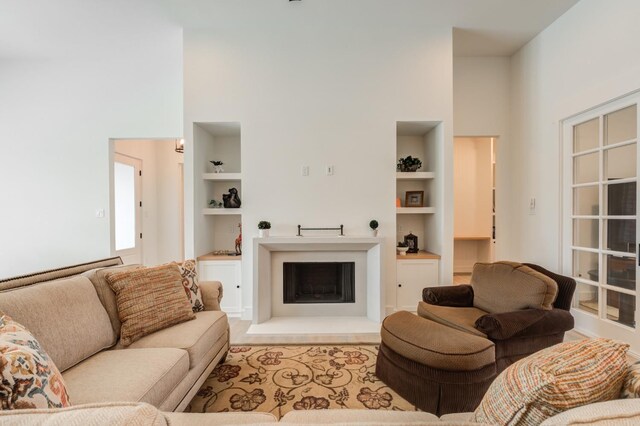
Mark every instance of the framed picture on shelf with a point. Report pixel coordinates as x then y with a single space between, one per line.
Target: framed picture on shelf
414 199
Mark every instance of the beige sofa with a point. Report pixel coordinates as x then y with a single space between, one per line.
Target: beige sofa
73 314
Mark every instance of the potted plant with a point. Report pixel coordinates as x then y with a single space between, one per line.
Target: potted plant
409 164
374 227
263 228
402 248
217 166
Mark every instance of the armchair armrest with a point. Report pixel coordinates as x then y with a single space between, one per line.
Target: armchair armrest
460 296
211 295
527 322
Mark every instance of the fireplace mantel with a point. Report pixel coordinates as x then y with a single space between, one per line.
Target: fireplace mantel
262 265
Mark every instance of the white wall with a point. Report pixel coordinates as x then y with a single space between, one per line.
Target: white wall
118 74
481 99
160 197
321 84
587 57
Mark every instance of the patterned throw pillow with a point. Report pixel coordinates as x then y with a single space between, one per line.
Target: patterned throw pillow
190 284
149 300
28 377
554 380
631 385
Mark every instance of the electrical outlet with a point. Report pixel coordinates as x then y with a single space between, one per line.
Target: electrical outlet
305 170
100 213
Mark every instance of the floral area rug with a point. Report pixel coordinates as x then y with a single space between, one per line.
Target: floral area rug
278 379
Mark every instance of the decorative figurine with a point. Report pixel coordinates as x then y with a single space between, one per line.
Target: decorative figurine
215 204
231 200
239 241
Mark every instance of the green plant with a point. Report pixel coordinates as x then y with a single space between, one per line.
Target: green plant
409 164
373 224
401 244
263 224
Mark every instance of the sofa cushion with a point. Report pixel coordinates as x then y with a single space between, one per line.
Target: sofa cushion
149 300
197 337
508 286
554 380
132 375
430 343
609 413
462 319
189 275
631 385
112 414
65 316
29 378
323 417
209 419
98 278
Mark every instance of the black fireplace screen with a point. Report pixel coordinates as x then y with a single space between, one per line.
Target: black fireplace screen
319 282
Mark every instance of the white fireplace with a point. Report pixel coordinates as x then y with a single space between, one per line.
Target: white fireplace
269 255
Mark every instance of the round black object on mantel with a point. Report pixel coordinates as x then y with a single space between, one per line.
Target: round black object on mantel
231 200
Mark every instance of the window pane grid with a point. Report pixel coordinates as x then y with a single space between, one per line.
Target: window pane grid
609 296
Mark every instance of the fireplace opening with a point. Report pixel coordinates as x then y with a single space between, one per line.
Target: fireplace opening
319 282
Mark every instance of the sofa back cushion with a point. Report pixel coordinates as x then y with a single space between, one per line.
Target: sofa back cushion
65 316
509 286
98 278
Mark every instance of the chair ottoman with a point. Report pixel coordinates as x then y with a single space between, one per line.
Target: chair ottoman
439 369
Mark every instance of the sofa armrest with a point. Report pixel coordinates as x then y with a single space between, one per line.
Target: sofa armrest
527 322
454 295
211 295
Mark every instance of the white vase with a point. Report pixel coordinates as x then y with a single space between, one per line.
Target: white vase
263 233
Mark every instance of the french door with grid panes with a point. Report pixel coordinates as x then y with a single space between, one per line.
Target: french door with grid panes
600 150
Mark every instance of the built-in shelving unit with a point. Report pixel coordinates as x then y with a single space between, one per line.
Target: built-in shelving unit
414 271
418 139
216 228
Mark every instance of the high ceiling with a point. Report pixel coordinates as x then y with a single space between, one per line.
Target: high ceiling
47 28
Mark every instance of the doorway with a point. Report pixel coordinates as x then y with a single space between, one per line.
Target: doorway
157 203
474 204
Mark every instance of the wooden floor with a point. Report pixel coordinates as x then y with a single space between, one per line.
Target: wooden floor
239 336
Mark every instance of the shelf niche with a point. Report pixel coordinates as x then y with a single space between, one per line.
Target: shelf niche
424 140
216 228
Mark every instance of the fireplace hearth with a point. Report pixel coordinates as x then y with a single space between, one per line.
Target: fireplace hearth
318 282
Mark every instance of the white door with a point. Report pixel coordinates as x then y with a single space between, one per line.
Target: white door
127 198
600 205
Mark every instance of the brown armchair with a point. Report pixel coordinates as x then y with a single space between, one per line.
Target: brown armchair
444 359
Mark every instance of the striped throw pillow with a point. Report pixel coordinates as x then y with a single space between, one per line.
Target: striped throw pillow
149 300
554 380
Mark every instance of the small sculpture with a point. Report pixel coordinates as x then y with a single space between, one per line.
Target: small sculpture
231 200
239 241
215 204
